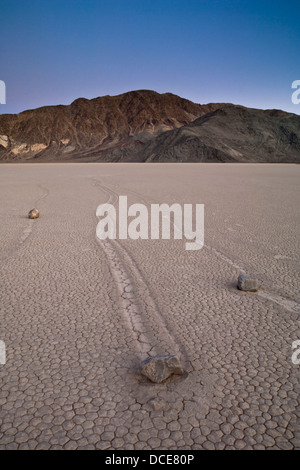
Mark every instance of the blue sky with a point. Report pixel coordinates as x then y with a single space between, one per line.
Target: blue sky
245 52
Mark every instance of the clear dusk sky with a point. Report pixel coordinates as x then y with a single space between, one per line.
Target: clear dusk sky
244 52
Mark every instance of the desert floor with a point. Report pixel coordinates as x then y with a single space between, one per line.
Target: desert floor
79 314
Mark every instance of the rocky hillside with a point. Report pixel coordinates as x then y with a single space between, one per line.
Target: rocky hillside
148 126
232 133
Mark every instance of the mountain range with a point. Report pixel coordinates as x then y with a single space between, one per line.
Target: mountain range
145 126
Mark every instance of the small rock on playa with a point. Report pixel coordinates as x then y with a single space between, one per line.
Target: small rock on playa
159 368
248 283
33 214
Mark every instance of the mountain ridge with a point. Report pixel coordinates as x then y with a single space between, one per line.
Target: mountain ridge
146 126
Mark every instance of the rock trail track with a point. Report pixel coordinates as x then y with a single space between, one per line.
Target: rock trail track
146 321
27 226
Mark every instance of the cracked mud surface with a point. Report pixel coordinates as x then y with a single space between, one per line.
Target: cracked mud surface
79 314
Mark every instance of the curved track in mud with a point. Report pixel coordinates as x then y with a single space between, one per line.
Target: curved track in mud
28 228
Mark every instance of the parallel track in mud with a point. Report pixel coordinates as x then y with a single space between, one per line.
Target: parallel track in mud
148 326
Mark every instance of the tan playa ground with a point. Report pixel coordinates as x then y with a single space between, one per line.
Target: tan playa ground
78 315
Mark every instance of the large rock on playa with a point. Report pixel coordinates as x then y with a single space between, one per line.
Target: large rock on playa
248 283
33 214
159 368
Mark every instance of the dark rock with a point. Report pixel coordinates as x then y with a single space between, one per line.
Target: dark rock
248 283
159 368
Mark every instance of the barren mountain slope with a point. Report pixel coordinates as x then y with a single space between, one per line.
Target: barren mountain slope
86 127
147 126
233 133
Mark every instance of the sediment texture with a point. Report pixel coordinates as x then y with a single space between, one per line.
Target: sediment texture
78 315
